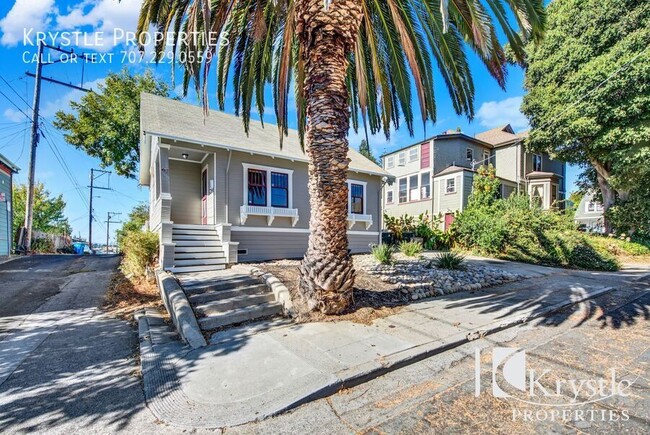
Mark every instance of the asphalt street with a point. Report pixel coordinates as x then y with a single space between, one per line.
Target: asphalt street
67 367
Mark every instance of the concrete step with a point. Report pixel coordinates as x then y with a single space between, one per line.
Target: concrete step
207 237
197 243
197 249
187 269
240 315
192 227
222 284
229 304
213 295
199 262
182 231
197 255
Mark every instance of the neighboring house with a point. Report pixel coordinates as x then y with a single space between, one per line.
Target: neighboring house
219 196
7 170
590 214
436 175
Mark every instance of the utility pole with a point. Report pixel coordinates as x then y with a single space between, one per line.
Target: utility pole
90 206
29 206
110 215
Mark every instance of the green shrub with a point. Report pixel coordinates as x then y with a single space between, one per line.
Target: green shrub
43 245
411 249
383 253
514 229
140 249
449 260
616 246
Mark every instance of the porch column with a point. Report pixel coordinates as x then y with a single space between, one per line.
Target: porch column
166 245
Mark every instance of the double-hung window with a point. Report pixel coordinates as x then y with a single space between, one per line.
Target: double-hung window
537 162
389 197
451 185
403 190
425 185
414 191
413 154
257 187
469 152
268 187
279 190
356 198
401 159
390 162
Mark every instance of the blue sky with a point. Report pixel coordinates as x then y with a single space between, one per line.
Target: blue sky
105 24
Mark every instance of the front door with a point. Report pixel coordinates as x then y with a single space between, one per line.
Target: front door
204 196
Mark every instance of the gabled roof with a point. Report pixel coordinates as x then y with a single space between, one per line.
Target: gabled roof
452 169
174 119
499 136
449 134
8 163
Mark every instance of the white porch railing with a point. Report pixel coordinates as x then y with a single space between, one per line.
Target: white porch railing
361 218
270 212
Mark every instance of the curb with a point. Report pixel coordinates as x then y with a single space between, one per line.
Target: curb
168 402
180 310
280 291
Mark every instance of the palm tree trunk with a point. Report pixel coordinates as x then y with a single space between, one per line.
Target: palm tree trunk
326 38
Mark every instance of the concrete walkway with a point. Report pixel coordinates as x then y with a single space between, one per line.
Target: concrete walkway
251 372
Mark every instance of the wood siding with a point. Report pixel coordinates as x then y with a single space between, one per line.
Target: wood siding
185 186
6 208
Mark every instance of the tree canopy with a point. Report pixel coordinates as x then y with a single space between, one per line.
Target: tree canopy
364 150
106 124
137 218
48 211
588 85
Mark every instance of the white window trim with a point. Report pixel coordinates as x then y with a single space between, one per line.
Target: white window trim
410 188
417 154
446 180
353 217
401 156
270 212
486 157
469 150
392 192
421 186
390 162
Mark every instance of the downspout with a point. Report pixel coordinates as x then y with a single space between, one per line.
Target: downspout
228 187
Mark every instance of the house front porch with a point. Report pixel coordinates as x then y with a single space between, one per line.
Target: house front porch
183 209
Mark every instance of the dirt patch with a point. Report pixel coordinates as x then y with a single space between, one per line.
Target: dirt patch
126 296
373 298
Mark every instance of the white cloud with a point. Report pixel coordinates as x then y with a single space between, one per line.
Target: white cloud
493 114
14 115
26 14
106 16
63 103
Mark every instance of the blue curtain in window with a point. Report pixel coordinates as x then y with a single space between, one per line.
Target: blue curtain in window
279 190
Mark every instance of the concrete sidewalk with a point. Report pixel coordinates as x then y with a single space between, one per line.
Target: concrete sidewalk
251 372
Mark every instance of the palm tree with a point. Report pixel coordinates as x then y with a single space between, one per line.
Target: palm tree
350 61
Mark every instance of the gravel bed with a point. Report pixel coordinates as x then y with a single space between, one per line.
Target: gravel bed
419 278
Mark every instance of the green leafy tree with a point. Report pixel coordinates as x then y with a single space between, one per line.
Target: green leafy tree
485 188
588 85
106 124
48 211
364 150
137 218
348 61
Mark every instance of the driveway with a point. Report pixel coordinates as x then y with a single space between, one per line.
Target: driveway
65 367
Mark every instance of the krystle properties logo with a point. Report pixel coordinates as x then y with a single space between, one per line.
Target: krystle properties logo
510 371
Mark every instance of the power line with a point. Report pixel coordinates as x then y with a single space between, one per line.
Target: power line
15 105
15 92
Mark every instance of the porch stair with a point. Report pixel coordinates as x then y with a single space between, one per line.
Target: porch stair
197 249
221 300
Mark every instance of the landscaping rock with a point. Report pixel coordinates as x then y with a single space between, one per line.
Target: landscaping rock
422 279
